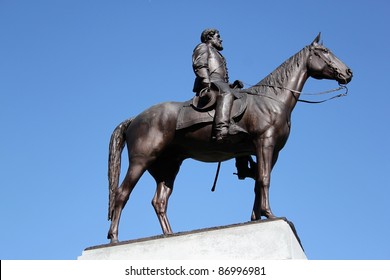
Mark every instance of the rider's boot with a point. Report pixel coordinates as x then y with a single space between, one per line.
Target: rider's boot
222 117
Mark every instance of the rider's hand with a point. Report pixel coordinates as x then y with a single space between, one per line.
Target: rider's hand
206 83
238 84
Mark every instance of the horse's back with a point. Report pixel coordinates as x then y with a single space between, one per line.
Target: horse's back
153 127
159 113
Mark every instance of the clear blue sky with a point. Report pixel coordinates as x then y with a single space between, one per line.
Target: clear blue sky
70 71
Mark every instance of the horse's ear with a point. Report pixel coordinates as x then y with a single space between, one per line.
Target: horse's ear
317 39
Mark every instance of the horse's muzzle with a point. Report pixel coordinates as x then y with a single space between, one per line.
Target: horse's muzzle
345 78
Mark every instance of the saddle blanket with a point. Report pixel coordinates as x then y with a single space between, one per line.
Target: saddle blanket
189 115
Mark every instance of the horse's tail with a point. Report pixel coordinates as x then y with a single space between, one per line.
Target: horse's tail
117 143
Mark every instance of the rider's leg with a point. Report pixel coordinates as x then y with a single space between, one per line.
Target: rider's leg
222 112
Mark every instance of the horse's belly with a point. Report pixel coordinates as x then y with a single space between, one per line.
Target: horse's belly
214 152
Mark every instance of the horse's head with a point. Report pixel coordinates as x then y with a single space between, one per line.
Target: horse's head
323 64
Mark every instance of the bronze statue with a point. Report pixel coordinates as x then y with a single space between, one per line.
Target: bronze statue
163 136
210 68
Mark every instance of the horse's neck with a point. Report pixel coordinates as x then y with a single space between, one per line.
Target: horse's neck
287 80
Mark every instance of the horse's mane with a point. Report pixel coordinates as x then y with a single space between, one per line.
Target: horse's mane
281 73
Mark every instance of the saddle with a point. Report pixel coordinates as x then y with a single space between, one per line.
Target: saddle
201 109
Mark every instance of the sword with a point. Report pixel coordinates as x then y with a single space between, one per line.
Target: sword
216 177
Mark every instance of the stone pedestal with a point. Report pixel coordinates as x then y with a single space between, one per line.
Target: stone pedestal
274 239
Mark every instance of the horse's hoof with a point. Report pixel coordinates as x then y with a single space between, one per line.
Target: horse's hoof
113 238
268 214
114 241
254 217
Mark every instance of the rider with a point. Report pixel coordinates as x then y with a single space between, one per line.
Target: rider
210 69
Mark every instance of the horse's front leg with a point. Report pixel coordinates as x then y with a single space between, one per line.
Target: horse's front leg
265 153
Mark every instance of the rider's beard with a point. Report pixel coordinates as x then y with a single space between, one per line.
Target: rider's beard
219 47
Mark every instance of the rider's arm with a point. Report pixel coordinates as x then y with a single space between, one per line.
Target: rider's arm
200 65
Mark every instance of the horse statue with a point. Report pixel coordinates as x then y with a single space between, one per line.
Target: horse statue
155 144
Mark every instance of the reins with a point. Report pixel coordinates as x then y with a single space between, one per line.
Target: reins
312 94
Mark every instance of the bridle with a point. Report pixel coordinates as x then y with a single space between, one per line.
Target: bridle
331 65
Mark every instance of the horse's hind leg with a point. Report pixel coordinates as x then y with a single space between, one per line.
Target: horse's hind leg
164 172
160 204
134 172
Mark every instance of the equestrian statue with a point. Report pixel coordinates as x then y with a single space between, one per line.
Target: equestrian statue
223 121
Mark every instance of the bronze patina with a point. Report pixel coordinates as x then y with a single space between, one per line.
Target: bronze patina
160 138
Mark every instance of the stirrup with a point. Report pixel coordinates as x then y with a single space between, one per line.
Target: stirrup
246 173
